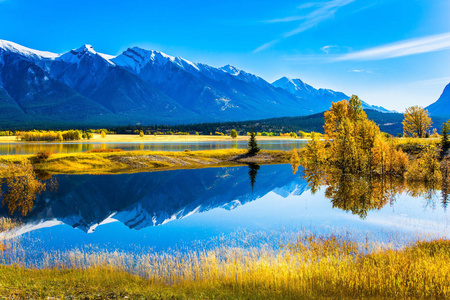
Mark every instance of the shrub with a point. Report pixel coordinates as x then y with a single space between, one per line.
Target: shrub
42 155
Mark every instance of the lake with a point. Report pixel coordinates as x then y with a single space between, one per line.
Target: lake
34 147
203 208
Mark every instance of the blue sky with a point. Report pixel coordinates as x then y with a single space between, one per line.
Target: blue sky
394 53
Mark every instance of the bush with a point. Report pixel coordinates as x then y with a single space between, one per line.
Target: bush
42 155
72 135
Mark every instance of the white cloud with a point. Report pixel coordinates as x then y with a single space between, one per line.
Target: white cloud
361 71
434 81
320 12
266 45
327 48
403 48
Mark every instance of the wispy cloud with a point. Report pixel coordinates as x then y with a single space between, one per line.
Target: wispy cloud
266 45
434 81
328 48
403 48
318 12
361 71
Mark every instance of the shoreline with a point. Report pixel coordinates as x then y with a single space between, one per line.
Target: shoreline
146 161
129 138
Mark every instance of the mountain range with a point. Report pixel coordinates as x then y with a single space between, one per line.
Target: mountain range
84 87
442 106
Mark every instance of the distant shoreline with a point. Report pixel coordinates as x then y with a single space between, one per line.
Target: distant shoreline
128 138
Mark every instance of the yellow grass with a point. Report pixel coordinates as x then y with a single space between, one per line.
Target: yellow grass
416 141
311 268
139 161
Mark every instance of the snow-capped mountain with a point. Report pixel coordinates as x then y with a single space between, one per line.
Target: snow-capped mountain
26 52
442 106
210 91
321 98
84 86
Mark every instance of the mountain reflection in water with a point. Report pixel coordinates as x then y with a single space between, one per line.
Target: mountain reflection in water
207 203
155 198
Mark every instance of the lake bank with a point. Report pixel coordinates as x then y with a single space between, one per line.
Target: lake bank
146 161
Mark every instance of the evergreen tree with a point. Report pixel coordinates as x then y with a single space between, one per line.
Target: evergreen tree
445 131
252 144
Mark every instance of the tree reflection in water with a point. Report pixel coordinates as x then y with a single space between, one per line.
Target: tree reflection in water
20 186
360 194
252 172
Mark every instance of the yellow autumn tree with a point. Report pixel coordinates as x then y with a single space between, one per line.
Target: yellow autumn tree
416 122
356 144
314 152
426 168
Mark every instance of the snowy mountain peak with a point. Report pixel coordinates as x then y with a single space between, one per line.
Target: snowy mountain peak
137 58
75 55
85 48
230 70
16 48
294 86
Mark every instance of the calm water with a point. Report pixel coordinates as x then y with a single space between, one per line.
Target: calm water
197 209
32 148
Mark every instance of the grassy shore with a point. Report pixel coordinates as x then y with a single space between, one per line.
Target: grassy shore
140 161
311 268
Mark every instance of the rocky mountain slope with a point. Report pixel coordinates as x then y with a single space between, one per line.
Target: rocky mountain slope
85 87
442 105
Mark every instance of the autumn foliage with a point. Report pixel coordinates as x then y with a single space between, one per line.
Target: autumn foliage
21 187
416 122
356 144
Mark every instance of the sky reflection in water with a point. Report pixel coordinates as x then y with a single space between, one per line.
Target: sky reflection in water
192 209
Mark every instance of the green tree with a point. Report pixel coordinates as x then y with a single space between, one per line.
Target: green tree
445 142
252 144
233 133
